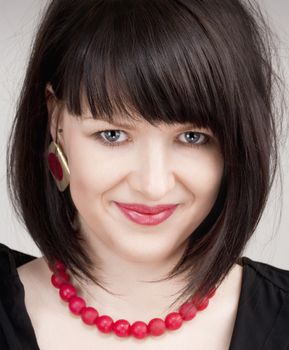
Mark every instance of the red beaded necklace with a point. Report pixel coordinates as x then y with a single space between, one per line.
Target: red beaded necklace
122 328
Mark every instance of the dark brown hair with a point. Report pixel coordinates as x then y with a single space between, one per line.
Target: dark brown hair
203 61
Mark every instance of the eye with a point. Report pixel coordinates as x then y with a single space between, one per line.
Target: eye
195 138
109 137
112 138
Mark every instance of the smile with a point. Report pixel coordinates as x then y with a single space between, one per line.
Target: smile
145 218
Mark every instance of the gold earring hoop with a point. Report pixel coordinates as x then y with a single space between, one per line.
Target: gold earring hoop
58 165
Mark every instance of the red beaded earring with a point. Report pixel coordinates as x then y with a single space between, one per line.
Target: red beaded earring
58 166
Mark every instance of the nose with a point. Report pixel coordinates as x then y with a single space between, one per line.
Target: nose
152 176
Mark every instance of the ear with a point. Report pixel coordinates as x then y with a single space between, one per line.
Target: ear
55 115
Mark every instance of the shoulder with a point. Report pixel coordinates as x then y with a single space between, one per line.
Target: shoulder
263 310
30 276
10 259
20 270
270 275
14 321
17 270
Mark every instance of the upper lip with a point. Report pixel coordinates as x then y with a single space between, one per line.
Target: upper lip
141 208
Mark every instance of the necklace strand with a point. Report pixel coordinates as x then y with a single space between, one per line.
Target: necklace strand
122 328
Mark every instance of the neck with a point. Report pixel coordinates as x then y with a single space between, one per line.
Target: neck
134 296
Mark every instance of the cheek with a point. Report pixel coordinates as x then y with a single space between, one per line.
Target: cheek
207 176
91 172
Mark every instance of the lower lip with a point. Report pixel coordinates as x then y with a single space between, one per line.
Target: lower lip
146 219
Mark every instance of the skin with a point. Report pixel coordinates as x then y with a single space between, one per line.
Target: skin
153 165
156 166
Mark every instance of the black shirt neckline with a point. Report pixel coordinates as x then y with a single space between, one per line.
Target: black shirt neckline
240 261
262 313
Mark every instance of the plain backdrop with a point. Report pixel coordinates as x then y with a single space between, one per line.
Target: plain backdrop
18 20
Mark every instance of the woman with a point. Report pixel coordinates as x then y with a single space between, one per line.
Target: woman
140 160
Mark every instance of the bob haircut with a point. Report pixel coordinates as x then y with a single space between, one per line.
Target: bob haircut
169 61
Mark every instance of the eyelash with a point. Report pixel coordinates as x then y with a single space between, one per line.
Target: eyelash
98 136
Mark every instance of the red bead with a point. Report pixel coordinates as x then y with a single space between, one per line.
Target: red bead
139 329
67 291
156 326
104 323
89 315
121 328
63 274
76 304
212 292
60 278
58 265
173 321
196 299
188 311
202 304
55 166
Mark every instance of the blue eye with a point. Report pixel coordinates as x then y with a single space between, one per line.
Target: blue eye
197 138
111 137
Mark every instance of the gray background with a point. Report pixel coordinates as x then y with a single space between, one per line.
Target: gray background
18 19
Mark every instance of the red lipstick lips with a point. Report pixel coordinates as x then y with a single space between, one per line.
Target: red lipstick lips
145 215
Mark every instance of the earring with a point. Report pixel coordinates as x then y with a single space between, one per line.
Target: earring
58 166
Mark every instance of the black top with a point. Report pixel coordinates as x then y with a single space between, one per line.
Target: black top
262 318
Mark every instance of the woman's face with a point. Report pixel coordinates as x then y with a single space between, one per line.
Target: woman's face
168 164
